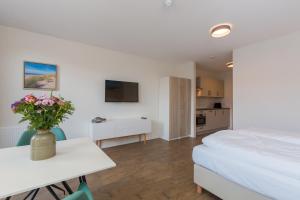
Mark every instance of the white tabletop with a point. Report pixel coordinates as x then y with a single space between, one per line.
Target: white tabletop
74 158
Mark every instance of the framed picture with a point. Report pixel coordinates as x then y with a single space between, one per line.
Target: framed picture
40 76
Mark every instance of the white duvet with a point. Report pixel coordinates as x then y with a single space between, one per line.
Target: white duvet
265 152
283 136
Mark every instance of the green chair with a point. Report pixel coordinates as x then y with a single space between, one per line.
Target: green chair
59 134
79 195
27 135
83 193
25 140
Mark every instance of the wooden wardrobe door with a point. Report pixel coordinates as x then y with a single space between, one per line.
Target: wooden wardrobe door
174 105
185 107
180 107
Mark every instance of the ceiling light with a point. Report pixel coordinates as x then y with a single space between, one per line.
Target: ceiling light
168 3
229 64
220 30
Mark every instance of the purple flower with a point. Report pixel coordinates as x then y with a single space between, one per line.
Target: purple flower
15 105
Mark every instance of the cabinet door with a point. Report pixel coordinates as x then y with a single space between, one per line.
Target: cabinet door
185 107
210 120
217 119
219 90
207 87
211 87
224 118
180 107
174 108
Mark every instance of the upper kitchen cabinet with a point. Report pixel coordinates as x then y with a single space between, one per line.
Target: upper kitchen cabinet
209 87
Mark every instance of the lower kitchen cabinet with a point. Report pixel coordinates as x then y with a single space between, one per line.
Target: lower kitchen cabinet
216 119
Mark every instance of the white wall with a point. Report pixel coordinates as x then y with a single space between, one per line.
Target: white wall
82 72
228 93
267 84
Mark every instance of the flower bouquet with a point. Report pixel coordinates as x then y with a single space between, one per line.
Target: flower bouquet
43 113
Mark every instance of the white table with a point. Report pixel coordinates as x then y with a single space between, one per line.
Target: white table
75 158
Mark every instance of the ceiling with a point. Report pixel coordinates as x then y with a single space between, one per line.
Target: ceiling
150 29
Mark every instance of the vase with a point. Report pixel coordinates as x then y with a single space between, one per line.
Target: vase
43 145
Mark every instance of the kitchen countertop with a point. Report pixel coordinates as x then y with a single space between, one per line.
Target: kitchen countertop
212 108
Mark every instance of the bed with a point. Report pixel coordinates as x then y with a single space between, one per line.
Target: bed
249 164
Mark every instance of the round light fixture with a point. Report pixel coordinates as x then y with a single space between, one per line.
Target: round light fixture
229 64
220 30
168 3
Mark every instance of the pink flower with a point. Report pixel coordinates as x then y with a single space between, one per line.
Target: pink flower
61 102
38 103
48 102
30 98
55 99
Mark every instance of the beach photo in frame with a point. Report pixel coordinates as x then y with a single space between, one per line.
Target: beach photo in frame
40 76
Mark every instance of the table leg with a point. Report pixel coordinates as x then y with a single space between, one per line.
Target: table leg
52 192
68 188
145 138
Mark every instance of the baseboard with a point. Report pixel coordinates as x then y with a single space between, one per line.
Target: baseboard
178 138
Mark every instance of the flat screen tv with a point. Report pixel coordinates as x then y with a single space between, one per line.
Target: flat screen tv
120 91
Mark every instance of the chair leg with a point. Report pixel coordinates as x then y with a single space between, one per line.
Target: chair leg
58 188
68 188
35 193
28 195
52 192
84 179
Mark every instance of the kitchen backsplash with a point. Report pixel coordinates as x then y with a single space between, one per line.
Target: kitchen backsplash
204 102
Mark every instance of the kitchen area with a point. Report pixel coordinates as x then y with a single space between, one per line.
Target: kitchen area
213 100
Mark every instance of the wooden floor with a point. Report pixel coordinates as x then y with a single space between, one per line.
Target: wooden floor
158 170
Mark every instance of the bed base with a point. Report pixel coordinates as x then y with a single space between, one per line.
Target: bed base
221 187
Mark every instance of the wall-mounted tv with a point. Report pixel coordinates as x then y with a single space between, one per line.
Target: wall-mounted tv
120 91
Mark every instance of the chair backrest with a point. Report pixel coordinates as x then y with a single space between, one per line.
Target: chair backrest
79 195
59 133
27 135
25 138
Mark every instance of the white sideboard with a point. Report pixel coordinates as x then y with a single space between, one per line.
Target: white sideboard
115 128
